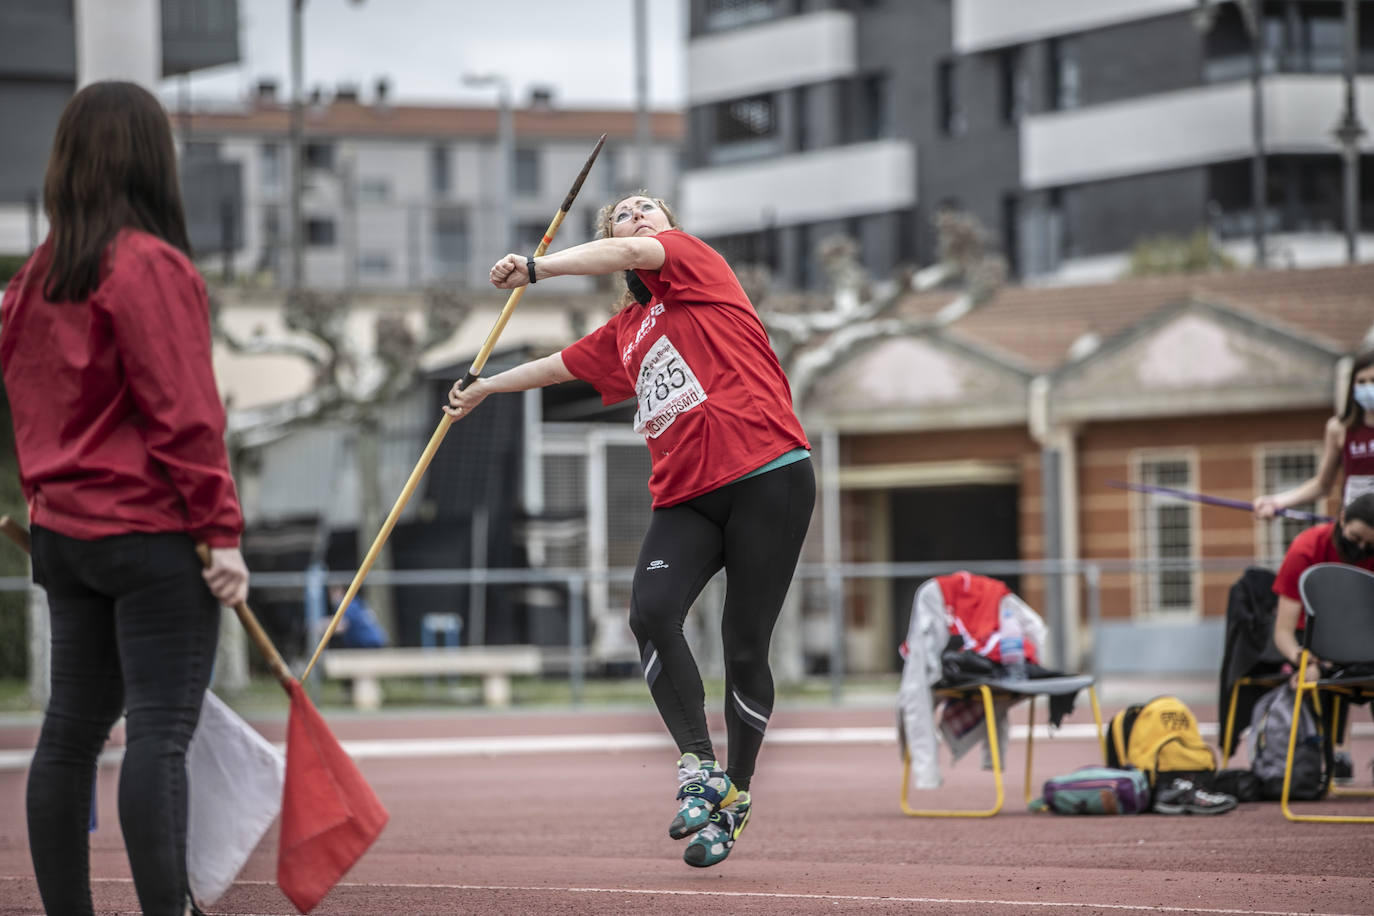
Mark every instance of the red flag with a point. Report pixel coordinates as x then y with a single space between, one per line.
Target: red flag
329 814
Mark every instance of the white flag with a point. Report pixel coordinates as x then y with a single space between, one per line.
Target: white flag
236 778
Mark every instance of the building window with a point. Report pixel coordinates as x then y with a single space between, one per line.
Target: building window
1065 90
269 157
1011 231
743 120
451 241
374 264
801 118
320 232
1167 535
1011 85
1283 469
527 171
319 156
950 108
528 234
439 179
374 190
746 128
731 14
873 122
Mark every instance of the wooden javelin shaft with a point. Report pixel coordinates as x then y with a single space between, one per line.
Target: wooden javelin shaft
446 421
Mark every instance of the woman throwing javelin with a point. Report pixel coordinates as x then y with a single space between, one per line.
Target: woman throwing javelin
119 429
731 481
1348 448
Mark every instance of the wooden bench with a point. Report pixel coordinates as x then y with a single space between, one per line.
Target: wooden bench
493 664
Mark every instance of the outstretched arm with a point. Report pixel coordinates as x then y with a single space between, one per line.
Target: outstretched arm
602 256
537 373
1314 487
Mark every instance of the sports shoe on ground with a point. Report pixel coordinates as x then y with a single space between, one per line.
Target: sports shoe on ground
1342 769
1182 797
703 788
714 841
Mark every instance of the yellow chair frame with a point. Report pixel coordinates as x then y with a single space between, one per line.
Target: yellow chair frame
1028 689
1344 591
1336 690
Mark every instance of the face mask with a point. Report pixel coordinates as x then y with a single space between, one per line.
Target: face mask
1347 549
1364 395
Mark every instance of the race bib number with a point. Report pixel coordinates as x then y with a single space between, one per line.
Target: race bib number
666 389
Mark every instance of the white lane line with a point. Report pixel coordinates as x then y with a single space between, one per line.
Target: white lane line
416 748
767 895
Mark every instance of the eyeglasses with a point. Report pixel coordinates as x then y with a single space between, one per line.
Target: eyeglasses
622 215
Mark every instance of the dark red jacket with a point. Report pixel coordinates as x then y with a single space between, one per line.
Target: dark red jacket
117 421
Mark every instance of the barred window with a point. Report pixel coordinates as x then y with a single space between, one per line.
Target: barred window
1167 536
1283 470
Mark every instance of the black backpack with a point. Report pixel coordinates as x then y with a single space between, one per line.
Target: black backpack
1270 725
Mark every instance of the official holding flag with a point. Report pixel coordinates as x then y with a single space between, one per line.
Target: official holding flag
119 429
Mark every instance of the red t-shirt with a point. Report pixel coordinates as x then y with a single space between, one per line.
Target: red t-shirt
117 421
714 403
1311 547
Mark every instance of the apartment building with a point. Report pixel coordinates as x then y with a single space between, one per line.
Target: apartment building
51 48
1072 129
404 196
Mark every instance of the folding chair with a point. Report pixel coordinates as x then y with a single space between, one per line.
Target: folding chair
1016 691
1249 625
1339 600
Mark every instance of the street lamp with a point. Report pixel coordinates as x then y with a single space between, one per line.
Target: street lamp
1348 132
297 132
1203 17
506 145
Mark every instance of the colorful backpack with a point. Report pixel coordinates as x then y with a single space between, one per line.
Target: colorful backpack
1096 790
1161 738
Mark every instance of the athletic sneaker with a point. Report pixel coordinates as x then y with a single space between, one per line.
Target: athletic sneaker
703 788
1182 797
1342 769
714 841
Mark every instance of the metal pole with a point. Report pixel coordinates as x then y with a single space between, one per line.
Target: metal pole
507 141
1258 179
296 280
1054 549
830 537
641 43
577 637
1349 132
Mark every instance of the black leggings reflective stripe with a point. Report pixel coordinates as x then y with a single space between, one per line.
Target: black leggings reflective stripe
754 530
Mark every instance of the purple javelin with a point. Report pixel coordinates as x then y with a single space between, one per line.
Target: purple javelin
1215 500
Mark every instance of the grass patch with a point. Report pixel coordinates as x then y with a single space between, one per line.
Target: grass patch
264 696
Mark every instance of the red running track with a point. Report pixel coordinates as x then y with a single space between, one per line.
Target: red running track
585 832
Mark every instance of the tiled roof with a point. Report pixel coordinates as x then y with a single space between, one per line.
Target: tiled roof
353 119
1332 307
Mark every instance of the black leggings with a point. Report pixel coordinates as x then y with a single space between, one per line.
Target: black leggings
134 629
754 529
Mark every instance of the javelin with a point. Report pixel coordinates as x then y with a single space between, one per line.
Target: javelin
446 421
1216 500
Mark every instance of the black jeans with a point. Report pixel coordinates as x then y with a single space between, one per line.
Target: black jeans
134 629
754 529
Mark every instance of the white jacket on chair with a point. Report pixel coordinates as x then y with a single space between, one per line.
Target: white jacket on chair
926 637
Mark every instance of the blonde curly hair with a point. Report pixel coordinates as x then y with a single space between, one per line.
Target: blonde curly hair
603 231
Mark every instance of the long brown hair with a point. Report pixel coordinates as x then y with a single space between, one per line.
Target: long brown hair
1354 414
112 166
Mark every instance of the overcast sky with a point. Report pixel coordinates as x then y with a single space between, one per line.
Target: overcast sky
584 49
